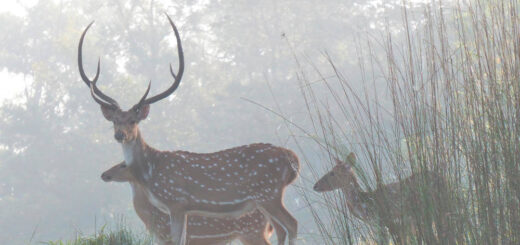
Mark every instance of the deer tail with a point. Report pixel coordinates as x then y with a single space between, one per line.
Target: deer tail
294 166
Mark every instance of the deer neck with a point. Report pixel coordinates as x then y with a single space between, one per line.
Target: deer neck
138 195
144 209
134 151
358 201
141 204
138 155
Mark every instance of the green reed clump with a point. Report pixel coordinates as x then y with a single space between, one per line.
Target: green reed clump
119 234
447 101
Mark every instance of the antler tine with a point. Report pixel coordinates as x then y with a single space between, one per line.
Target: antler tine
99 101
87 81
171 72
177 77
145 93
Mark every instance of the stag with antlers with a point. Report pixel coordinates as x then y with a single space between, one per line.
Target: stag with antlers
229 183
250 229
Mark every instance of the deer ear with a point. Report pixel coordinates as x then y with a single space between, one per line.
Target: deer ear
108 112
142 112
339 162
351 158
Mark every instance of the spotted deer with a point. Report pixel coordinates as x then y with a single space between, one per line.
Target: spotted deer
383 206
228 183
250 229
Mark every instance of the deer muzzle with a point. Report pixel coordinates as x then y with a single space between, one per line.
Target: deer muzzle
119 136
105 177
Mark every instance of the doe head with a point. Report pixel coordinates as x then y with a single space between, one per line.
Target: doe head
341 175
125 122
117 173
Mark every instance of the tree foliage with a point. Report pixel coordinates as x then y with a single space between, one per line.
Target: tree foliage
54 143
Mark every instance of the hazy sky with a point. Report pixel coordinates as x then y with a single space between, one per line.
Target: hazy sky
17 82
56 147
12 84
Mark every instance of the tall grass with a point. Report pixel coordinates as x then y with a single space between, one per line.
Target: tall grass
450 104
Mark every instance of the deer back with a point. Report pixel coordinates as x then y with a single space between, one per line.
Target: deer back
257 172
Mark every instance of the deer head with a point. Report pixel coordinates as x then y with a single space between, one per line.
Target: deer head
118 173
340 176
125 122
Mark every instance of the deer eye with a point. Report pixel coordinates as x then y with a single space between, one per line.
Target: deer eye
332 174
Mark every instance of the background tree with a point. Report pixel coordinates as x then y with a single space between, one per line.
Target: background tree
54 143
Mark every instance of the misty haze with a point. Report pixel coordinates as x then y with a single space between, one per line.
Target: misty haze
294 122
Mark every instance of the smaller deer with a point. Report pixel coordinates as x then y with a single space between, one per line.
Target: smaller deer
252 228
383 206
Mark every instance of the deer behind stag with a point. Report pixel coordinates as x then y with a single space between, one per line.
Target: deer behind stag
250 229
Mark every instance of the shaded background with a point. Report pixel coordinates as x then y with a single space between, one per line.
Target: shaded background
54 142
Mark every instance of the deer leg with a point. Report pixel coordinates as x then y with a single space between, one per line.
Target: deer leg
178 226
165 242
280 233
382 234
256 240
277 213
209 241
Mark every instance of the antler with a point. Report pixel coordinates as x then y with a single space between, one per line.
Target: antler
105 100
178 77
92 83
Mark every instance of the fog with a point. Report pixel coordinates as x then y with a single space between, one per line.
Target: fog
55 143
